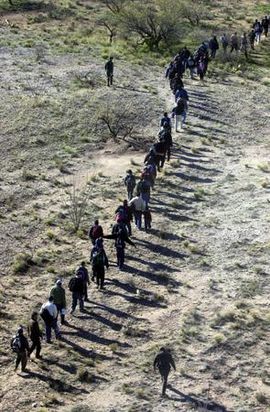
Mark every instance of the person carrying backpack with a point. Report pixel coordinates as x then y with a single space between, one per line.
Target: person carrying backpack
213 46
180 113
234 42
76 287
225 42
252 37
35 335
163 361
48 313
244 45
95 232
166 137
59 299
265 25
130 183
181 93
99 261
127 216
166 120
19 345
138 205
83 273
143 189
109 67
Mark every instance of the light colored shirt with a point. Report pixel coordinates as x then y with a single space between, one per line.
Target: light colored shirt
52 309
138 203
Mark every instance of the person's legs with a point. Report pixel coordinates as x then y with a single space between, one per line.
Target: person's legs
98 279
81 303
18 360
56 328
164 376
38 348
122 258
24 360
177 118
139 219
85 292
102 278
48 329
32 347
128 225
74 301
111 79
168 153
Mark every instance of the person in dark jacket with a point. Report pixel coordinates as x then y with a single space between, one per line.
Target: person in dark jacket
265 25
59 299
109 67
166 120
99 261
180 113
166 136
125 212
163 361
252 37
95 232
21 347
83 272
130 183
76 286
213 46
35 335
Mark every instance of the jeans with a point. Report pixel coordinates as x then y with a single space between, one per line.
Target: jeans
48 329
120 253
130 193
36 344
138 218
77 296
180 118
146 197
21 358
59 309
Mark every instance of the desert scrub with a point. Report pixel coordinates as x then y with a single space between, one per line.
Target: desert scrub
22 263
85 376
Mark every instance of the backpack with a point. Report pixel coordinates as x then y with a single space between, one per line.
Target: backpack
181 105
16 344
72 284
98 258
121 215
46 316
96 232
130 182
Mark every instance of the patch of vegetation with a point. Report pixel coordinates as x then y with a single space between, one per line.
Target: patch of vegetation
22 262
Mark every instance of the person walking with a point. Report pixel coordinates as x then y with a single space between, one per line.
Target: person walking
83 273
99 261
76 286
35 335
59 299
258 30
234 42
124 216
19 345
224 42
213 46
252 37
163 361
95 232
191 66
166 137
180 113
143 189
265 25
48 313
166 120
244 45
138 205
109 68
130 183
181 93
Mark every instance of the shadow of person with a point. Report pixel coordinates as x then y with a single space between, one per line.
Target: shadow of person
205 405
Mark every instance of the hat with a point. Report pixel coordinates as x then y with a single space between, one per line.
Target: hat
59 282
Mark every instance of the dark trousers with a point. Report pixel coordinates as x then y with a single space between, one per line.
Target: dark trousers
109 79
120 254
59 309
36 344
138 218
77 296
21 358
130 193
128 225
164 373
99 274
234 47
48 329
85 291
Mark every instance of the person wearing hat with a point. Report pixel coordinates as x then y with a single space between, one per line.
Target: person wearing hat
20 346
59 299
35 335
163 361
99 260
109 71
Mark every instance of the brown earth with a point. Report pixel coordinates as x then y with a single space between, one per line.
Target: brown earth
197 282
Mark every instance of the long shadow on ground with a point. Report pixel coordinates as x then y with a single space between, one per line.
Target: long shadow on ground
199 403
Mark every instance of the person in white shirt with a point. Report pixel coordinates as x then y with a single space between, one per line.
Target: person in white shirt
138 205
48 312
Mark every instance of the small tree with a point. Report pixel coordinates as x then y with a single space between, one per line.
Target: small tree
194 11
78 201
109 22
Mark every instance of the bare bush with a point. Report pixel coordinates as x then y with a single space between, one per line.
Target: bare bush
194 11
78 201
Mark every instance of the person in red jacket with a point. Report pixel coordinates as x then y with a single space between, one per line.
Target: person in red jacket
95 232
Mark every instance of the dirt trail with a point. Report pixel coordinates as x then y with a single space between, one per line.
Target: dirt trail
198 282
